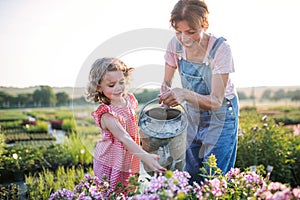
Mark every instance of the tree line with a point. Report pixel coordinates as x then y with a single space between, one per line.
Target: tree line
270 95
45 96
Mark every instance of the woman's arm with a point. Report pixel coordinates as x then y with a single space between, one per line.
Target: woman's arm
213 101
168 78
150 160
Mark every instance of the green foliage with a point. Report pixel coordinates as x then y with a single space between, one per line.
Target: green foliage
210 169
41 114
266 94
264 142
32 97
69 125
249 109
62 99
44 96
279 94
9 192
146 95
34 158
11 125
2 143
242 95
20 158
287 114
41 185
78 150
56 155
88 130
40 127
296 98
12 115
63 114
5 99
174 185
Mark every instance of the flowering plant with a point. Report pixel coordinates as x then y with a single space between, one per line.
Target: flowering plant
174 185
91 188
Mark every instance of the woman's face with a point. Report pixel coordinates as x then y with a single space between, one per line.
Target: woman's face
187 35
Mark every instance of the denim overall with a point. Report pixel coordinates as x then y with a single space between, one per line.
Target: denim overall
209 132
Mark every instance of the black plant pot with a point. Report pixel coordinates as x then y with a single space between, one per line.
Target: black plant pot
19 175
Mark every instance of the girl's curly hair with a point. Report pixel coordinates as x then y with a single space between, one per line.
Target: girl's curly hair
97 71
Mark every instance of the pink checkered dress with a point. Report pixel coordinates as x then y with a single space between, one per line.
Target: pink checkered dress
110 156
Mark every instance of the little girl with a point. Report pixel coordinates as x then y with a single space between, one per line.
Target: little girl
117 154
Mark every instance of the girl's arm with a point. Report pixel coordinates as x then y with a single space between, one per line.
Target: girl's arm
150 160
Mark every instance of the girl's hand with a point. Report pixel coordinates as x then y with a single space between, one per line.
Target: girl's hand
151 164
172 97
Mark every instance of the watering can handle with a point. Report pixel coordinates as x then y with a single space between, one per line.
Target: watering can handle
141 113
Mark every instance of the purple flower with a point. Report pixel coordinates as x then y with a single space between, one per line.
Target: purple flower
248 179
145 197
62 194
156 183
174 185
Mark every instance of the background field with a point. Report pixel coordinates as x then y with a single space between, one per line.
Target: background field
248 91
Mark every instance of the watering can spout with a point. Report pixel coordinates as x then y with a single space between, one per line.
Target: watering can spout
164 155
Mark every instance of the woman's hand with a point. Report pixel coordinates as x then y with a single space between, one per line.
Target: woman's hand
172 97
151 164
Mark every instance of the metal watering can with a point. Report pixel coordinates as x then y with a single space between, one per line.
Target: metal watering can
163 132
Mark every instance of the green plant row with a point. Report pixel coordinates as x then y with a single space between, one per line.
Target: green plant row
15 137
15 124
29 159
18 127
10 192
41 185
262 141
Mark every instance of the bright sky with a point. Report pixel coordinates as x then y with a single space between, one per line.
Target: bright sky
47 42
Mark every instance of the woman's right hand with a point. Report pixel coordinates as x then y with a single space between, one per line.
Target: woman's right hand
151 164
173 97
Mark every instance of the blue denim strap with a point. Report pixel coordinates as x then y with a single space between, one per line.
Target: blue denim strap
216 45
179 50
210 57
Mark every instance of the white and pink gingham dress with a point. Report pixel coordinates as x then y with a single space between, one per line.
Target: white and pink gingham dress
110 156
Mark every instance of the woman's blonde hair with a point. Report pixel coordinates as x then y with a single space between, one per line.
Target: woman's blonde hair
97 72
194 12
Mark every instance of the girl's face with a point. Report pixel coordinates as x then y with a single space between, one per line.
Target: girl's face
186 35
113 86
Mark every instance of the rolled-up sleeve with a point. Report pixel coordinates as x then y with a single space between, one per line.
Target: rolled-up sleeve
223 62
171 54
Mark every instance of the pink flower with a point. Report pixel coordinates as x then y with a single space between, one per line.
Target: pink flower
216 187
296 193
233 172
273 186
